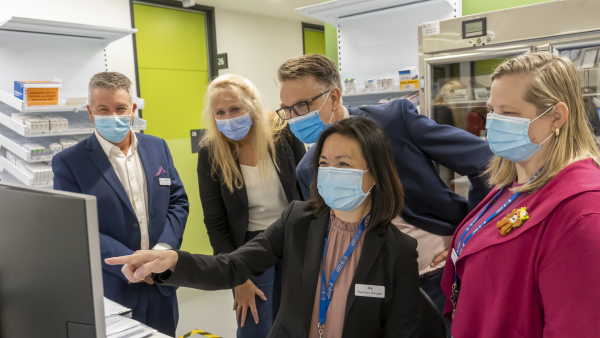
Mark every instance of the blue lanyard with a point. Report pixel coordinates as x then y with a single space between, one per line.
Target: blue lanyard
326 293
461 245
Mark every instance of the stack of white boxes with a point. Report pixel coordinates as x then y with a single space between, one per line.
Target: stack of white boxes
38 124
67 142
42 173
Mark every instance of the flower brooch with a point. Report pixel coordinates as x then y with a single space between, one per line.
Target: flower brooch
513 220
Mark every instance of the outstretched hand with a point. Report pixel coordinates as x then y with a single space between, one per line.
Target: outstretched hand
245 300
138 267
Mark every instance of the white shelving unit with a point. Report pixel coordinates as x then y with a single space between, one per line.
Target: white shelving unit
79 123
377 38
332 11
107 34
378 92
39 50
21 175
21 106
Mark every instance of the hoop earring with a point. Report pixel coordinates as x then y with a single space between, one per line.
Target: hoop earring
557 132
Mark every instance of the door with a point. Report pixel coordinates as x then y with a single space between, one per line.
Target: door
173 75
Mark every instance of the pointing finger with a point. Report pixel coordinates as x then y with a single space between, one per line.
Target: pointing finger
118 260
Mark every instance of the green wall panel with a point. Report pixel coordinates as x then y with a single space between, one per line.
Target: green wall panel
314 42
173 64
331 43
173 101
470 7
195 239
170 39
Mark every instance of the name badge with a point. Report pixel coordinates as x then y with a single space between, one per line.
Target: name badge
164 181
374 291
454 256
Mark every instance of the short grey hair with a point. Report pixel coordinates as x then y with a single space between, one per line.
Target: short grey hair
110 81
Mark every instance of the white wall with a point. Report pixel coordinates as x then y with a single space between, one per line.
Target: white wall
256 46
113 13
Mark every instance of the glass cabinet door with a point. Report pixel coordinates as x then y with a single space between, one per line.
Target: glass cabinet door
585 59
458 89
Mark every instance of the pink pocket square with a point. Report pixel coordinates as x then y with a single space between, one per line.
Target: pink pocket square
160 171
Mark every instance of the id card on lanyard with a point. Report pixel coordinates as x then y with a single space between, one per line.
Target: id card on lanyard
464 238
327 288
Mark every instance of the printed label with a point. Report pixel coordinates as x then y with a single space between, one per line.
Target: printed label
431 28
375 291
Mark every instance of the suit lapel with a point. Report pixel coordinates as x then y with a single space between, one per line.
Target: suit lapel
317 229
99 158
149 168
371 248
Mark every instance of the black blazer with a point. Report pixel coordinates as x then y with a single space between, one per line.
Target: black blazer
225 213
388 258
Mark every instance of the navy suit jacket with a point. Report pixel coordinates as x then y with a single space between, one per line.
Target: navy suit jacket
418 142
85 168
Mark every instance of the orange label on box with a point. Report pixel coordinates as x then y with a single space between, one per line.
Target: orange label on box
409 84
42 97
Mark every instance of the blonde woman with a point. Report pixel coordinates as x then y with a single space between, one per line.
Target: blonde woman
247 177
524 263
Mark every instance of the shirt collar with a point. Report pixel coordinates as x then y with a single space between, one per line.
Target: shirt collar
109 147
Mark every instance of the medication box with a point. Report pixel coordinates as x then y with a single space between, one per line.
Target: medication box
408 73
38 93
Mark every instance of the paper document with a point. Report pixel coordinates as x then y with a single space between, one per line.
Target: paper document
123 327
112 309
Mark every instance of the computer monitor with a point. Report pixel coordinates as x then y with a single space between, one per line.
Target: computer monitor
50 265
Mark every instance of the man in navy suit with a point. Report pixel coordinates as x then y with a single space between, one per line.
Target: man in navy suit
311 99
141 201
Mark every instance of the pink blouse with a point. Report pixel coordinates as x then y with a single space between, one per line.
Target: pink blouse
340 235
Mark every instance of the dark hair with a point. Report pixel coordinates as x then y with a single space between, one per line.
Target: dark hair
319 66
387 194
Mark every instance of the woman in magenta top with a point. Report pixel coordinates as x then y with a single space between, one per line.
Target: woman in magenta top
524 262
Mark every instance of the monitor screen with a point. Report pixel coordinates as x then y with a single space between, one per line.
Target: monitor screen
474 28
50 272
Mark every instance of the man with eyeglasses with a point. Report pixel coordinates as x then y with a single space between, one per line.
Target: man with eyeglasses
141 201
311 100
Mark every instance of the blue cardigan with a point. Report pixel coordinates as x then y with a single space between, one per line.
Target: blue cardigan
418 142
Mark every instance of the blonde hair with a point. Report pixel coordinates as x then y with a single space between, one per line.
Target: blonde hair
265 131
552 79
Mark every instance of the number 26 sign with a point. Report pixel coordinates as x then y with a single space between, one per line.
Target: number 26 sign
222 61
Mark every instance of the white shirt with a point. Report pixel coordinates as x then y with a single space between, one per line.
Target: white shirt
266 199
130 172
428 245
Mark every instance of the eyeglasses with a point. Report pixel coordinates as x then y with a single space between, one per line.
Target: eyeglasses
299 108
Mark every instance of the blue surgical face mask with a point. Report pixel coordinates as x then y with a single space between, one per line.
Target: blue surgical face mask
308 127
508 136
341 188
236 128
114 128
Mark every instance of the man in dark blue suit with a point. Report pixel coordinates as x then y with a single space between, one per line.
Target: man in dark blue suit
141 201
311 99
